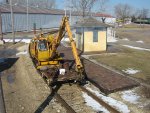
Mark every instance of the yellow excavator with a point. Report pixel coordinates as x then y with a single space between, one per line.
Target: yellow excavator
43 51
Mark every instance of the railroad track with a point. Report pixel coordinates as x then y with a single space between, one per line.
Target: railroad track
99 100
69 109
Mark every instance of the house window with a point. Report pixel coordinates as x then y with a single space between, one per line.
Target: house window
95 36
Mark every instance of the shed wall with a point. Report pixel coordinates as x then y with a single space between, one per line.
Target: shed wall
90 46
41 21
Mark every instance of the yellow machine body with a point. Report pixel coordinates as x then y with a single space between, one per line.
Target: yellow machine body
39 49
43 47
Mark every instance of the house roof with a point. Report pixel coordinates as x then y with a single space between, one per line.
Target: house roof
90 22
32 10
103 15
5 8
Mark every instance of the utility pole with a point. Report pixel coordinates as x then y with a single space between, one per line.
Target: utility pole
65 11
70 15
70 12
1 30
65 8
7 1
27 16
12 21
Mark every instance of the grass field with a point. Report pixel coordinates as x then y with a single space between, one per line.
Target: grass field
134 32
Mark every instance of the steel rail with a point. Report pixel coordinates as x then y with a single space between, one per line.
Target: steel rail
99 100
64 104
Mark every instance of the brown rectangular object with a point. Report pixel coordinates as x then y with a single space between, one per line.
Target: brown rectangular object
106 80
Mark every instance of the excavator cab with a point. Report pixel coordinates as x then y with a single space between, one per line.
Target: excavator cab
42 50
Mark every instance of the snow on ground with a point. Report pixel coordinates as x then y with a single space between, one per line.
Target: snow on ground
131 71
21 53
23 48
2 60
111 39
130 96
125 39
120 106
138 48
18 40
94 104
140 41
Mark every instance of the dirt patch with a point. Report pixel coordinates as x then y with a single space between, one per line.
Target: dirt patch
145 91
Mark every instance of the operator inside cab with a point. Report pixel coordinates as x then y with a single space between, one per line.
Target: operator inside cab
42 45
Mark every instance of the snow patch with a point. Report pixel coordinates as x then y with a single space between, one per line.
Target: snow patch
140 41
21 53
130 96
26 40
138 48
23 48
131 71
125 39
111 39
18 40
93 103
117 104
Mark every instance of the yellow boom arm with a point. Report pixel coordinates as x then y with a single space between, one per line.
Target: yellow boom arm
65 27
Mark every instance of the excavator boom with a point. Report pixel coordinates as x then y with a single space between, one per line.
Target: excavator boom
65 27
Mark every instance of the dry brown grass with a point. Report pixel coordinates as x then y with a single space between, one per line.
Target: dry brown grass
145 91
134 32
130 58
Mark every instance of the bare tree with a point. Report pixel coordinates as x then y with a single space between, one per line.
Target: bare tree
143 13
123 11
102 5
83 6
102 8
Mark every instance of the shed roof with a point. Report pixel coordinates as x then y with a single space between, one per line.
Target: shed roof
90 22
32 10
103 15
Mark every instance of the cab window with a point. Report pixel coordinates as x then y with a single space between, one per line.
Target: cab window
42 45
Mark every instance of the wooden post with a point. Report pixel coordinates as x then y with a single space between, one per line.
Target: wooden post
34 28
27 16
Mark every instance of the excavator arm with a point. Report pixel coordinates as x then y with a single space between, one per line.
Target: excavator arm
79 66
65 27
